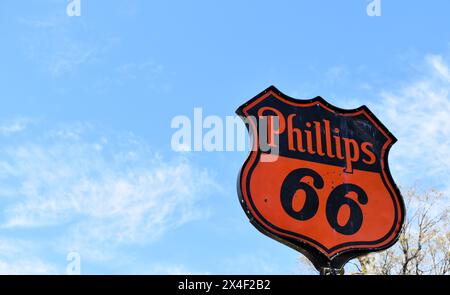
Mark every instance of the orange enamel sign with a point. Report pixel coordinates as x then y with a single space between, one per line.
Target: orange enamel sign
317 178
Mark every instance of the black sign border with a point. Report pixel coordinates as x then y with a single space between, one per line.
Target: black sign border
319 259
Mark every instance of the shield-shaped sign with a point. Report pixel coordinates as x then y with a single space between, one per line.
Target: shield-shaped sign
317 178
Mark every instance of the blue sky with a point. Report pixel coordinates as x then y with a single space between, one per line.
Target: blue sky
86 106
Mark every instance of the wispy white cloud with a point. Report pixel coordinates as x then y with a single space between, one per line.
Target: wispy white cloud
58 48
70 57
47 23
14 126
419 115
439 65
16 257
98 190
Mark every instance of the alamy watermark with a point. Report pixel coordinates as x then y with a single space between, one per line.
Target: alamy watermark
73 263
226 134
73 8
374 8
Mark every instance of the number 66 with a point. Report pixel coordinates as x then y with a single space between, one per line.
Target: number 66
337 199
